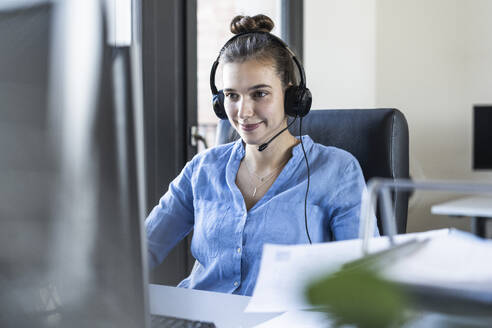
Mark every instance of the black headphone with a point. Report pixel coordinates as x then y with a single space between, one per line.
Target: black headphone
297 99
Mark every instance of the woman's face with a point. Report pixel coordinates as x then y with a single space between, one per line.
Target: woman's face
254 100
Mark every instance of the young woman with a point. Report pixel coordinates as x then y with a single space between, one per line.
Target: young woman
237 197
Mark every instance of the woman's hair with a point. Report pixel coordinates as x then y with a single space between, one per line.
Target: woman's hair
259 46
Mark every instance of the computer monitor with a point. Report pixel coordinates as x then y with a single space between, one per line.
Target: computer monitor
27 162
482 137
70 228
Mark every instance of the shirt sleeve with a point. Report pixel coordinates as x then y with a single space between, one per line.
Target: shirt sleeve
346 203
172 219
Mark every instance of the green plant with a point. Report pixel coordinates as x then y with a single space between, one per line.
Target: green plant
359 296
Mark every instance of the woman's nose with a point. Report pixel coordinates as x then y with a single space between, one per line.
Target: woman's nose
245 109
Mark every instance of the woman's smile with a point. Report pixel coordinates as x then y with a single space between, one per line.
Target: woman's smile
249 127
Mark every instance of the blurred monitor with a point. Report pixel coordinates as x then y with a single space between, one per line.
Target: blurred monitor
70 233
28 168
482 137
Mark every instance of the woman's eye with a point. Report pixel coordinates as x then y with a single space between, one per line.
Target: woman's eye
232 96
259 94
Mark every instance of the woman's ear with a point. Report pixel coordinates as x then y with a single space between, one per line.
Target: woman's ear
288 86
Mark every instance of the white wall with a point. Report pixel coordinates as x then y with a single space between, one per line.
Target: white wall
339 52
432 60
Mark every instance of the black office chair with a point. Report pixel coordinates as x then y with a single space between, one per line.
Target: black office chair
378 138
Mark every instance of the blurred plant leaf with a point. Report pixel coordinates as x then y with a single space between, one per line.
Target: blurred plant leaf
359 296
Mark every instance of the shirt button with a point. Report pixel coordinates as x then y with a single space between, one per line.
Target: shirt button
236 284
239 249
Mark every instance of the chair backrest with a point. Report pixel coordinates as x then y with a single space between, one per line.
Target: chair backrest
378 138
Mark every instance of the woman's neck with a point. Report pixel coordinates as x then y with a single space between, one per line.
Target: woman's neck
276 154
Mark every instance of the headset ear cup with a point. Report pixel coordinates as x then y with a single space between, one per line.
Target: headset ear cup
218 104
289 101
297 101
305 101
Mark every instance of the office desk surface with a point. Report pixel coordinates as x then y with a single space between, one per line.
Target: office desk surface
479 208
225 310
476 206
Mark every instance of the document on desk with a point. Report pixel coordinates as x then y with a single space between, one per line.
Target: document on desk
458 260
304 319
449 258
285 270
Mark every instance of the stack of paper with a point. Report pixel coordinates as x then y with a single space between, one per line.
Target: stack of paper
450 258
455 260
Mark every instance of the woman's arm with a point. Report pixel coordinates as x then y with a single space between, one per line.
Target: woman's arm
346 203
172 219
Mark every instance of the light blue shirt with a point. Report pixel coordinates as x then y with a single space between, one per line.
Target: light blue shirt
227 239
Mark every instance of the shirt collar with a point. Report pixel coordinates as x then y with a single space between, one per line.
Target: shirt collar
238 149
308 144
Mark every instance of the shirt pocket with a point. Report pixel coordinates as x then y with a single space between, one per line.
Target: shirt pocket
209 220
285 223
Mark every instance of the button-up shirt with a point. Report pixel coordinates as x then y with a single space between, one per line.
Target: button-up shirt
227 238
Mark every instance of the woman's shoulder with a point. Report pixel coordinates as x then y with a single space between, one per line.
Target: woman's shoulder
333 155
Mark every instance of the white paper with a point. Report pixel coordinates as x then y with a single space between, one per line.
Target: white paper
286 269
298 319
451 260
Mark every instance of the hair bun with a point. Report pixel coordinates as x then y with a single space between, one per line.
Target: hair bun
247 24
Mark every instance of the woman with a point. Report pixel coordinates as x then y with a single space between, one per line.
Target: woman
238 196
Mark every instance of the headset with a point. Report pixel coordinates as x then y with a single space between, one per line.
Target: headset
297 102
297 98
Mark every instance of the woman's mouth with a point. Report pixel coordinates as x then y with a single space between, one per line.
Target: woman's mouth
249 127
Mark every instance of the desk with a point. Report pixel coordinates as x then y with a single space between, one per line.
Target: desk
225 310
479 208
